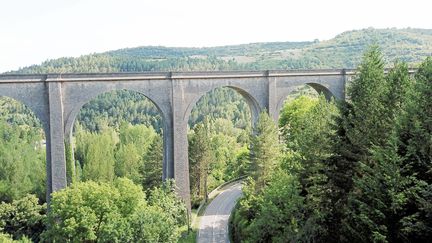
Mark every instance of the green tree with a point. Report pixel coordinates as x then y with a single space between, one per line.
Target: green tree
128 162
98 161
376 204
139 135
22 162
109 212
362 124
265 150
70 164
151 169
23 218
279 203
165 197
201 156
415 148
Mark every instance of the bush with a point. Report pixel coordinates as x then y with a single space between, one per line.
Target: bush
109 212
22 218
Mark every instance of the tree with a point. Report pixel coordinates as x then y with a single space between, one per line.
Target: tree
98 159
362 124
109 212
151 169
22 162
415 148
71 174
376 204
139 135
23 218
128 162
200 158
279 203
265 150
164 196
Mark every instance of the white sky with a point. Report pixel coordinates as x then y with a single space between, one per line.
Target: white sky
32 31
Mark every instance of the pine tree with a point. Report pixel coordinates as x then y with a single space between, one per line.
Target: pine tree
361 125
375 205
152 167
265 150
201 157
415 148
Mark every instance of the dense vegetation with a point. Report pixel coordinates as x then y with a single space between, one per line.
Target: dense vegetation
355 171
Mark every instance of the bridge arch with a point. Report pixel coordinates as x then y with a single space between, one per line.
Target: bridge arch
94 93
254 106
33 96
319 88
233 124
71 117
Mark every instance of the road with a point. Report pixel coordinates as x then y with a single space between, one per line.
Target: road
213 225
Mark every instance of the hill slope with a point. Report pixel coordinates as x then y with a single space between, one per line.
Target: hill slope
343 51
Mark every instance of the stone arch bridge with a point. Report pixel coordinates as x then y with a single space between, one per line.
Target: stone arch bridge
57 98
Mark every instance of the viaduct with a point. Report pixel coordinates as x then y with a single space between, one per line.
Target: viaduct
56 100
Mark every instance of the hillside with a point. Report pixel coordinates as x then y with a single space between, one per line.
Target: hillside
343 51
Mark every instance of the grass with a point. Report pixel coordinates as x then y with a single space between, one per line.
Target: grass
189 238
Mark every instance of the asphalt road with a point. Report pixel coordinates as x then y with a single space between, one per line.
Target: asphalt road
214 223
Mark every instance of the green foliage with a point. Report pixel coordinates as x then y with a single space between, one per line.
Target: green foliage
139 135
265 150
22 218
279 203
223 103
70 164
164 197
220 148
98 156
293 196
135 142
201 156
21 149
118 106
293 116
386 136
16 113
376 205
415 148
111 212
135 152
8 239
363 123
240 166
364 175
152 168
128 162
366 93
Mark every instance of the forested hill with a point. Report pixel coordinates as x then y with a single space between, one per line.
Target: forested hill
343 51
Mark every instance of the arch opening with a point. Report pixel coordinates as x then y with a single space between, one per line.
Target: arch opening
23 161
309 89
220 123
118 133
304 120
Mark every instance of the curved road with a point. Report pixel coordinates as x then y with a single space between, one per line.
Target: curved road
214 223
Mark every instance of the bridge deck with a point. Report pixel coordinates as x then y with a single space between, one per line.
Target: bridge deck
128 76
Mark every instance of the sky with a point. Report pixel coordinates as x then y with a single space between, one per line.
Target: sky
34 31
